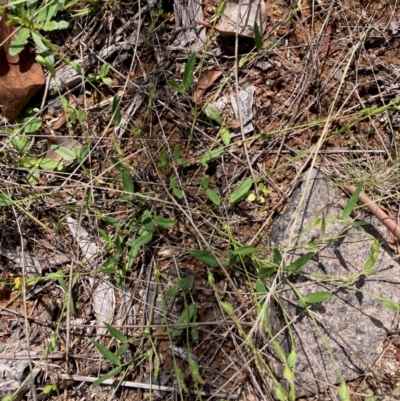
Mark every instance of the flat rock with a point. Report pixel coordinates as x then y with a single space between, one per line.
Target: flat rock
348 330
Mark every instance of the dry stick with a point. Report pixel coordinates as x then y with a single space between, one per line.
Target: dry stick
376 210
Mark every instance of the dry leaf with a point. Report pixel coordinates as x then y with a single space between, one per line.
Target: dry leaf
20 76
206 80
86 244
250 11
326 41
104 305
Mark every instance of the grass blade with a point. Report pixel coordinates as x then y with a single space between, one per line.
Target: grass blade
188 73
352 202
257 36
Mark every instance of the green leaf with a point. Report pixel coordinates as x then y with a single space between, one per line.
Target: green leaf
352 201
127 182
49 26
18 44
212 112
266 272
176 87
104 70
185 282
213 196
317 297
205 257
257 36
247 250
343 392
21 142
212 154
261 290
4 199
116 333
178 193
172 292
164 223
392 306
292 358
144 239
225 136
277 257
188 73
242 191
300 262
205 181
228 308
64 152
122 349
108 375
110 356
108 81
116 111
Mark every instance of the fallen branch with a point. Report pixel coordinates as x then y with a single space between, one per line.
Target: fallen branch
376 210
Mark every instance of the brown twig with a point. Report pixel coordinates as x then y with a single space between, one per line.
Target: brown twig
375 209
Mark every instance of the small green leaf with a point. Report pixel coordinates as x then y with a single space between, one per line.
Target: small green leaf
108 81
225 136
213 196
257 36
188 73
205 257
122 349
266 272
104 70
116 333
64 152
164 223
178 193
352 201
392 306
300 262
280 393
247 250
242 191
143 239
108 375
292 358
116 111
4 199
288 374
21 142
212 112
176 87
185 282
18 44
212 154
261 289
228 308
110 356
277 257
317 297
343 392
172 292
127 182
205 181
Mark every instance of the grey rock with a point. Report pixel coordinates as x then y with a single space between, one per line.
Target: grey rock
353 322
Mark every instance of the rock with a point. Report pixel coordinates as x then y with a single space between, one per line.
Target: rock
353 323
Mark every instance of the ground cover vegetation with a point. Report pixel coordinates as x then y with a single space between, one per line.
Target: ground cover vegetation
136 204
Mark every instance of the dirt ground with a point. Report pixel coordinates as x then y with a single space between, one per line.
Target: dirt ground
328 61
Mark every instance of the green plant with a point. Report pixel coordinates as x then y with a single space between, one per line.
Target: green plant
187 78
32 16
